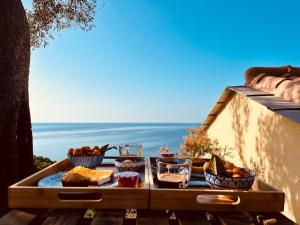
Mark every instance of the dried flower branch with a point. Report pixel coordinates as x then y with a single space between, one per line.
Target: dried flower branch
198 144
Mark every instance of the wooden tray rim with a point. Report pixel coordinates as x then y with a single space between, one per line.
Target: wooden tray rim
210 190
60 165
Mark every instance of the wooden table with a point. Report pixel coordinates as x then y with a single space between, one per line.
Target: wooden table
137 217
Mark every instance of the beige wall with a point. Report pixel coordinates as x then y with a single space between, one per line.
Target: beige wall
266 141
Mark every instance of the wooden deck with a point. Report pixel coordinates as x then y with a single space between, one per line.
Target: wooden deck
140 217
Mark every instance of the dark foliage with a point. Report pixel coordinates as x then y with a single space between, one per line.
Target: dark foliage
50 16
41 162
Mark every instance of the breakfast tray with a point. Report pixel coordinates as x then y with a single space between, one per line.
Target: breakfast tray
260 198
26 193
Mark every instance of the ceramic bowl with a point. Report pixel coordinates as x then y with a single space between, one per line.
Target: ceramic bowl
135 164
86 161
221 182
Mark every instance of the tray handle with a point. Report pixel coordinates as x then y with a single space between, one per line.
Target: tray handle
211 199
80 196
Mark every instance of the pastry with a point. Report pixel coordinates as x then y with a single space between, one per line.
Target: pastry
216 165
84 175
97 177
75 179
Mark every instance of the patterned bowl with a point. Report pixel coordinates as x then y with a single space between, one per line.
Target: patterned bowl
221 182
86 161
135 164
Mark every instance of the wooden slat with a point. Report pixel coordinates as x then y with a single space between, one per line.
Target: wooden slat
130 217
108 217
279 219
204 198
17 217
63 217
191 218
152 217
25 194
235 219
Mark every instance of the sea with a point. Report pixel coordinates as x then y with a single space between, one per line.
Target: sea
54 139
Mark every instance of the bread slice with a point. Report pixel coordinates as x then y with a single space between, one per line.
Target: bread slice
97 177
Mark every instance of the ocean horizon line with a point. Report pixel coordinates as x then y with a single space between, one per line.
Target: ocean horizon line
82 122
52 140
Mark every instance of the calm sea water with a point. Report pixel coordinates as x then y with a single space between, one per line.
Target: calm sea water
54 139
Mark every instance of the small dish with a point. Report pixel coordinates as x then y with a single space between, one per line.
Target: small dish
135 164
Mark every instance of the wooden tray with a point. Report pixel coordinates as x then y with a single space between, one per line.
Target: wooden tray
261 198
26 194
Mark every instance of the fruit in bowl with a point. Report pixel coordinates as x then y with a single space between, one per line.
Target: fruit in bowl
225 175
198 165
86 156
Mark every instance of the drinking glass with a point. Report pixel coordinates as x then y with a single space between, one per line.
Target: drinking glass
130 150
174 171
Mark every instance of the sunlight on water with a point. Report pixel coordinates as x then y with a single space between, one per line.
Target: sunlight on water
54 139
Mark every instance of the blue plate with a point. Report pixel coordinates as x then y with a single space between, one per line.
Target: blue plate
52 180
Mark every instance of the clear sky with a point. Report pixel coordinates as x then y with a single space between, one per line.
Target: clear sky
159 60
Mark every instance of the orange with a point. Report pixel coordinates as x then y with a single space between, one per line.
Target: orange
236 170
96 152
206 166
70 151
77 152
236 175
95 147
228 166
85 149
229 171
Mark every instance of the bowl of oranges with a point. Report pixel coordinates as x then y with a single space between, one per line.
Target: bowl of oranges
87 156
225 175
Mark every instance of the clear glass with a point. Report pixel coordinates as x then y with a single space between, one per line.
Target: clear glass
174 171
130 150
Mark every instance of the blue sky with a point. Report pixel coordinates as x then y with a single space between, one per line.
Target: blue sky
159 60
